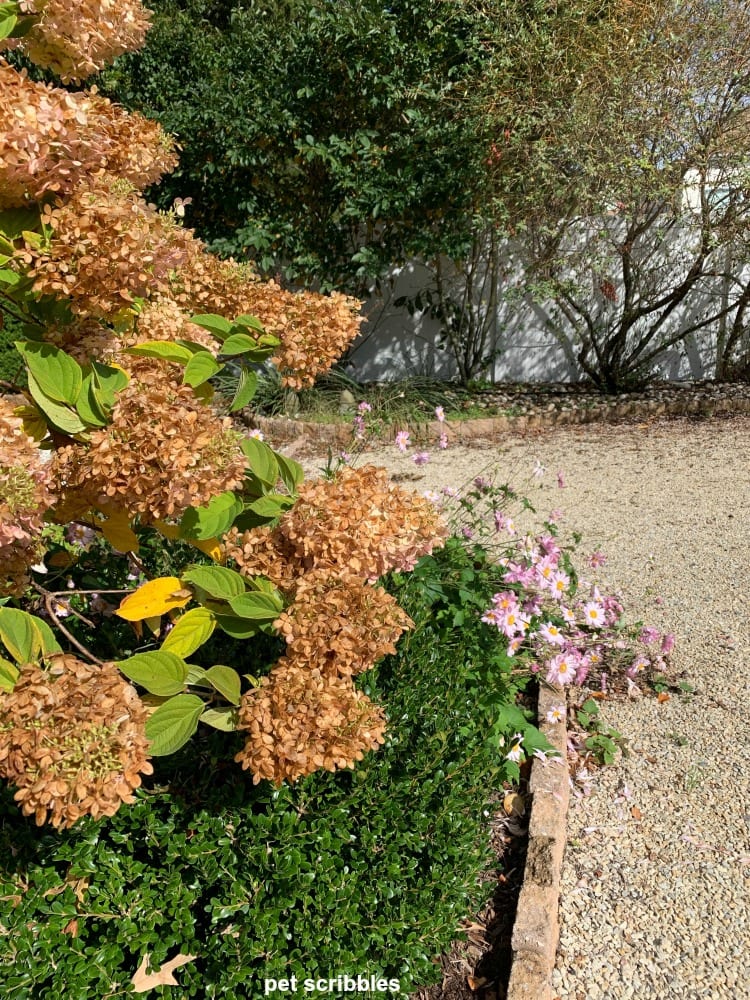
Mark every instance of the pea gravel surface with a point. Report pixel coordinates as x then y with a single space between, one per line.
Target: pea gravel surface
655 899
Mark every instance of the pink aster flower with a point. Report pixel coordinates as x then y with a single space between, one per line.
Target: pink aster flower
593 614
551 634
667 643
561 669
443 442
403 439
538 470
561 480
364 407
439 414
256 433
559 585
421 458
597 559
650 634
556 714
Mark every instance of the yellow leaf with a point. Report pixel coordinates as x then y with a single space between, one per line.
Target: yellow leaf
154 598
513 804
116 529
154 624
143 980
34 423
210 546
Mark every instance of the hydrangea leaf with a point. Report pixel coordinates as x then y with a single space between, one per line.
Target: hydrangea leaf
173 723
161 673
154 598
190 631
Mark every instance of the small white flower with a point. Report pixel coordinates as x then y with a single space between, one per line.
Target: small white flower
556 714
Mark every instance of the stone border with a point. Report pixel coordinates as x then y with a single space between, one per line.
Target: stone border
536 931
289 431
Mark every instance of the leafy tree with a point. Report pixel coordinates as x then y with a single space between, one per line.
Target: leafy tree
591 180
318 139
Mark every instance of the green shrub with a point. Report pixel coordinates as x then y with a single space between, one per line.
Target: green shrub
11 363
359 872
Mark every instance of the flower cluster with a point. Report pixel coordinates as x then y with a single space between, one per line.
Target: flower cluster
52 140
76 38
300 719
164 451
357 522
72 740
25 495
340 624
568 625
106 246
313 329
341 535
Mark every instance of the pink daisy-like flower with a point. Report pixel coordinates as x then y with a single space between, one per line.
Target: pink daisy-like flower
667 643
364 407
597 559
443 442
439 414
538 470
551 634
650 634
421 458
593 614
561 669
568 615
559 585
561 480
514 645
403 439
256 433
556 714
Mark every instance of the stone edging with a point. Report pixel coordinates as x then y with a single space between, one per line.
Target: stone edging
288 430
536 930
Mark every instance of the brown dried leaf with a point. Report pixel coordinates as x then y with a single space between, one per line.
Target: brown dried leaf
143 980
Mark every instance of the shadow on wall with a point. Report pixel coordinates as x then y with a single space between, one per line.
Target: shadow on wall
396 343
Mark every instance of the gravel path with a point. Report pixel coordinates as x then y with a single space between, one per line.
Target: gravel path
656 879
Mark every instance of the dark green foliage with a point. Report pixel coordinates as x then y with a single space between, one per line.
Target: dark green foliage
367 871
11 364
319 139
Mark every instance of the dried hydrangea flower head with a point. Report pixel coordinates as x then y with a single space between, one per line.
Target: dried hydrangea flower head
300 720
76 38
25 495
107 247
358 523
313 329
164 451
72 740
341 625
52 140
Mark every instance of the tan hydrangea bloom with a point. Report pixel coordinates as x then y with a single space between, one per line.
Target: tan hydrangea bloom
107 247
300 720
314 329
25 495
164 451
340 625
76 38
52 140
72 740
358 523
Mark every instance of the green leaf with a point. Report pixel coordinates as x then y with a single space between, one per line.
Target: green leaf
226 681
246 389
50 645
20 635
190 631
213 519
8 675
216 325
200 368
87 404
58 375
238 628
225 718
173 723
162 349
257 606
262 459
272 505
217 581
160 673
291 472
62 418
109 380
251 322
9 277
7 23
238 343
196 676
